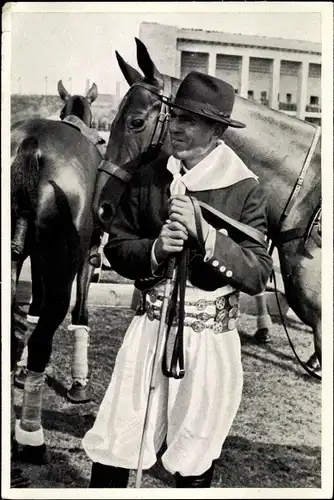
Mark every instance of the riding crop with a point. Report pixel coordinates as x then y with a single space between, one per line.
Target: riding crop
155 367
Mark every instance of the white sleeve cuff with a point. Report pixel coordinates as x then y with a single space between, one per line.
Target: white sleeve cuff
210 242
154 262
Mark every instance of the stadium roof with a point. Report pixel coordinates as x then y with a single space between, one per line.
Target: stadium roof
224 38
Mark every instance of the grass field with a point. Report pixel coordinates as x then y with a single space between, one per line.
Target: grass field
275 441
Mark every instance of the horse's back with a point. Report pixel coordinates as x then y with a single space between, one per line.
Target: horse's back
68 164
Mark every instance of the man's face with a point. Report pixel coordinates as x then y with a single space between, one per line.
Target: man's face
192 137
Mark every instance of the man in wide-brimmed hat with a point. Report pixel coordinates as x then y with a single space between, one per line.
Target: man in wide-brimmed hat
157 219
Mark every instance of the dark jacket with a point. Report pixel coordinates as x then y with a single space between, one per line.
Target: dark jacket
237 261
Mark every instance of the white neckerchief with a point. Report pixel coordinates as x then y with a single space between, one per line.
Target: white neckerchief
221 168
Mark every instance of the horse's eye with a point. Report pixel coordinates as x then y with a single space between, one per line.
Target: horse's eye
137 123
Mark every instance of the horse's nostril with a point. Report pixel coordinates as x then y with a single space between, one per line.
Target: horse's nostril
105 211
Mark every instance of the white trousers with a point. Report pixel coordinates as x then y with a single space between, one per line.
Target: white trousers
194 414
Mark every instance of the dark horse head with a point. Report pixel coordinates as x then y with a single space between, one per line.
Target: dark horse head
77 105
138 133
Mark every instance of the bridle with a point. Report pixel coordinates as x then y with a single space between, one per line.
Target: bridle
158 135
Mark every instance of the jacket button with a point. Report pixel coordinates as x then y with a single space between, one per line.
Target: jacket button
222 269
223 231
215 263
229 274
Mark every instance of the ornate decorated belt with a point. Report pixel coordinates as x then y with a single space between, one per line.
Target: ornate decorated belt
221 315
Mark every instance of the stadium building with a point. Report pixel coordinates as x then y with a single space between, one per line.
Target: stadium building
279 73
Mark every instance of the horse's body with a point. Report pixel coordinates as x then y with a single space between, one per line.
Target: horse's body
273 145
53 173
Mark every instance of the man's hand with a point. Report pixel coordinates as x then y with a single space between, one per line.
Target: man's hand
170 240
181 210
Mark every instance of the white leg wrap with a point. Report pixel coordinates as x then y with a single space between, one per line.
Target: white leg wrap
32 319
34 438
263 318
80 353
264 321
32 401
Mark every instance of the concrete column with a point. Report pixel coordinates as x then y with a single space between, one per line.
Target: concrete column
244 76
178 57
302 90
275 83
212 63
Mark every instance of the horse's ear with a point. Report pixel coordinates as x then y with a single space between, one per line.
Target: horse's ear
152 74
62 91
92 93
130 74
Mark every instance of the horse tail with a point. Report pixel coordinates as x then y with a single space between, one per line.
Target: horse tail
24 177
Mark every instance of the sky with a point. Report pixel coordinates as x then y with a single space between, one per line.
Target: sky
74 46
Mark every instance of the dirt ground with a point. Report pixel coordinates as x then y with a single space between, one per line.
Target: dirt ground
275 441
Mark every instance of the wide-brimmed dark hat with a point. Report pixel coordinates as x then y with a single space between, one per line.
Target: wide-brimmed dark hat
206 96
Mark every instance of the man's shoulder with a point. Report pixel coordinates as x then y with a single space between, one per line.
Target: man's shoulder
249 186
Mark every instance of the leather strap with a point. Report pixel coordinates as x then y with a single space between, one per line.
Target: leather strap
110 168
176 369
198 223
248 231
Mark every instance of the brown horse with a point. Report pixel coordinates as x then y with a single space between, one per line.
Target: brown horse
280 149
53 174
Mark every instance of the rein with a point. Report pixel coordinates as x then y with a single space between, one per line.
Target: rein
289 235
297 233
302 364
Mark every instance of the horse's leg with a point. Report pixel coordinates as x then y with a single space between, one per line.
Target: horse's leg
264 322
32 316
80 391
58 267
21 246
36 304
301 271
18 479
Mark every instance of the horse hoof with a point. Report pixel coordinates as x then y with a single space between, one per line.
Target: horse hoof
262 336
20 377
79 393
18 479
313 363
36 455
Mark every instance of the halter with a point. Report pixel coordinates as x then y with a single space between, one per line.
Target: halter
159 132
